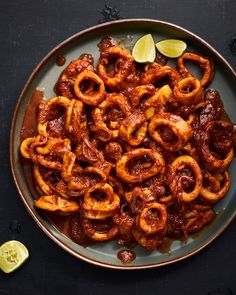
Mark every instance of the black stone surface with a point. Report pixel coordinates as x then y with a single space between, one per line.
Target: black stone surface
28 30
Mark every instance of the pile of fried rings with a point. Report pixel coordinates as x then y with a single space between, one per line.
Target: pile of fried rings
137 153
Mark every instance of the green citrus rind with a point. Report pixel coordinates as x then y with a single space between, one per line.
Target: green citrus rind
144 50
172 48
12 255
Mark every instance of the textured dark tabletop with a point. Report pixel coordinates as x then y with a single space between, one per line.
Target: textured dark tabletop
28 30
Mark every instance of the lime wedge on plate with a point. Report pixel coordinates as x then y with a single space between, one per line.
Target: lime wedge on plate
12 255
171 47
144 50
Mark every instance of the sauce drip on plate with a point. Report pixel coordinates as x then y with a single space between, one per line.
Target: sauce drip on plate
126 256
61 60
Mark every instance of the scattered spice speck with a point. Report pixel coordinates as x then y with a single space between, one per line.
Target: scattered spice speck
109 13
15 226
232 45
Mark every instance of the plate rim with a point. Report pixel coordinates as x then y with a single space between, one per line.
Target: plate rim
30 79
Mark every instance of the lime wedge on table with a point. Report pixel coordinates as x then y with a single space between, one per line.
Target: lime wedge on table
144 50
12 255
171 47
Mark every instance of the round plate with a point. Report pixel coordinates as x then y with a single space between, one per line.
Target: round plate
45 76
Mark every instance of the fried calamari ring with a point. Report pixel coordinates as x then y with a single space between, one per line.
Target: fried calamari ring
74 122
194 108
139 93
133 129
54 146
117 185
114 80
62 188
54 203
24 147
49 182
45 162
173 133
150 242
150 71
152 219
102 133
49 152
156 184
100 202
205 64
214 160
87 151
65 84
155 166
113 152
167 200
110 123
112 100
157 102
217 188
185 187
156 73
191 150
52 160
40 181
104 166
50 109
188 91
139 197
125 222
92 233
199 217
92 96
102 174
71 174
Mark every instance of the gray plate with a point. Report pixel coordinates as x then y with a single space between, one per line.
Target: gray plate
45 76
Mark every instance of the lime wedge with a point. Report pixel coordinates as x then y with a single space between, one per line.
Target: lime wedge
144 50
171 47
12 255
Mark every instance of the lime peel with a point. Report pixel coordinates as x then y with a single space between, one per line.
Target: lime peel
171 47
12 255
144 50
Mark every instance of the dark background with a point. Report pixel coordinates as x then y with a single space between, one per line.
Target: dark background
28 30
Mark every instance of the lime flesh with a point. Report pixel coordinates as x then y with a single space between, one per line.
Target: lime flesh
144 50
12 255
171 47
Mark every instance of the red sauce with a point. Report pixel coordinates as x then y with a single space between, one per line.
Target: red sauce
165 246
161 59
29 126
167 134
61 222
29 129
60 60
27 169
106 43
126 256
76 232
234 138
72 226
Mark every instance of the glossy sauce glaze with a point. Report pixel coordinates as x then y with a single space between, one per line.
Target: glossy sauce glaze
29 129
150 211
30 122
60 60
126 256
71 226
